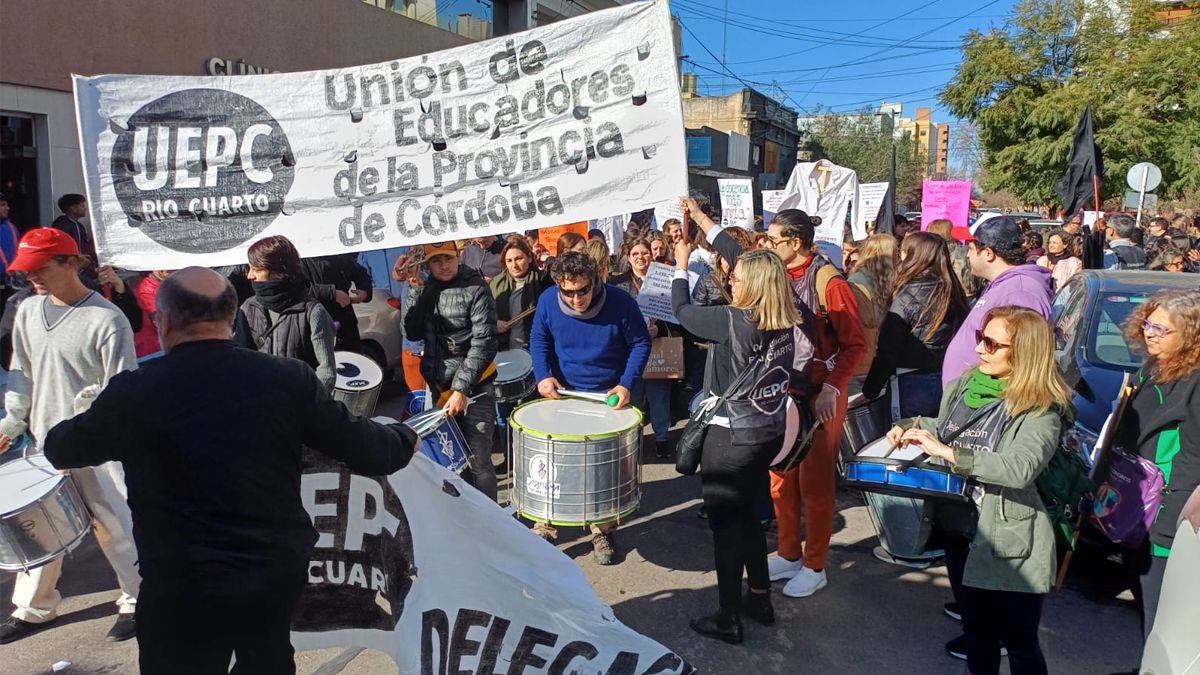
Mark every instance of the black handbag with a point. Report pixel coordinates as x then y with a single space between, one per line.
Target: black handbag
691 441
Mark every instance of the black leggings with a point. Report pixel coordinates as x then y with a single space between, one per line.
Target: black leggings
734 477
991 617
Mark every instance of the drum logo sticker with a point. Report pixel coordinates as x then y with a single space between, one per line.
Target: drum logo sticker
769 393
543 478
201 170
357 384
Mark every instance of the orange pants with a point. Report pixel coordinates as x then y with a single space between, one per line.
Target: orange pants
411 364
811 487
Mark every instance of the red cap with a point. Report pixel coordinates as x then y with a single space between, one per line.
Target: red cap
39 245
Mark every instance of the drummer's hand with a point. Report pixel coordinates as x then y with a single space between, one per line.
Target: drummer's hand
683 251
502 326
622 396
456 404
894 436
5 442
826 404
342 298
929 444
653 329
549 387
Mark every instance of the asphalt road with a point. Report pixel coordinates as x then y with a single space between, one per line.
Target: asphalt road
872 618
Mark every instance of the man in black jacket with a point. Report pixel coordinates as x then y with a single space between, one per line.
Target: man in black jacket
455 315
214 481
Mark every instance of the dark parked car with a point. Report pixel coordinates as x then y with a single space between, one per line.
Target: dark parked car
1091 351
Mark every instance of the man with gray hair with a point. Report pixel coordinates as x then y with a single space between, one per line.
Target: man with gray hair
1122 253
211 438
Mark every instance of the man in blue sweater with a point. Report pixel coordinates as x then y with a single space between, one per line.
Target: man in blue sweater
588 336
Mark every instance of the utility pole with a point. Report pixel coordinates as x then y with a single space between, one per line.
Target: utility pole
724 44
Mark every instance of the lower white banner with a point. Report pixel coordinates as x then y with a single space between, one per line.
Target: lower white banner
423 567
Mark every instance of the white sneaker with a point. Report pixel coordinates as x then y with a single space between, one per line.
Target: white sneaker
780 568
805 583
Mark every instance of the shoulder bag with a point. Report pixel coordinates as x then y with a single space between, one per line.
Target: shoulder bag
691 441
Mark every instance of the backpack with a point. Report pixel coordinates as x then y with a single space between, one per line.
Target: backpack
1065 489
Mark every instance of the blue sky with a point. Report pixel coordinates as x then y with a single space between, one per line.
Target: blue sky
838 55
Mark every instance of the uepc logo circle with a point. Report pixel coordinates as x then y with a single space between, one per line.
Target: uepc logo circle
202 170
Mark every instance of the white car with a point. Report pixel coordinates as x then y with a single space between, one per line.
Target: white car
379 327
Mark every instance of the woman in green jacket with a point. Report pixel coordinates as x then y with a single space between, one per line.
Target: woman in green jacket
515 290
1162 423
1003 420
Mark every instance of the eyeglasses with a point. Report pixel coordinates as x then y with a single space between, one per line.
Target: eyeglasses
1155 330
776 242
989 345
1174 265
578 292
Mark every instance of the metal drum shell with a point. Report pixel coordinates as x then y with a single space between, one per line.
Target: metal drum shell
865 422
513 388
359 399
49 526
598 476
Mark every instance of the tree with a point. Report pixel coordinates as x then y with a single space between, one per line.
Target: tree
859 142
1025 84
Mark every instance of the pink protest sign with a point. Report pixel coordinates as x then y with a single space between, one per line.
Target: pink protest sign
949 199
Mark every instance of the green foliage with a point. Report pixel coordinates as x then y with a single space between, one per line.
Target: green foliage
857 142
1026 83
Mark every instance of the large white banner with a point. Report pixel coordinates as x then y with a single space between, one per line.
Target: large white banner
572 121
425 568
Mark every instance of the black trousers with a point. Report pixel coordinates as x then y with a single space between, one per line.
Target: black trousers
990 617
1147 571
182 632
478 425
733 479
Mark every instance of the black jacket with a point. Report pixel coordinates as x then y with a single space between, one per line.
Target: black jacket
902 342
338 273
1157 413
456 320
214 479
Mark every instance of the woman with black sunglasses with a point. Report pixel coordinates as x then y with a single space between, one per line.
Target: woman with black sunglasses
999 425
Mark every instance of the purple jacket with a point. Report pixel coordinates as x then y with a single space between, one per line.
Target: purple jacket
1023 286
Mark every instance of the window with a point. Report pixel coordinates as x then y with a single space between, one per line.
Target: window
1067 310
1108 340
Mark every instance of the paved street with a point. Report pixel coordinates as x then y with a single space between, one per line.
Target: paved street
872 618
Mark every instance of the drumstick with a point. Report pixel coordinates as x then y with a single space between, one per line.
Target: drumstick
606 399
523 314
902 443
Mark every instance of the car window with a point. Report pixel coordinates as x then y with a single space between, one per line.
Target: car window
1108 341
1067 311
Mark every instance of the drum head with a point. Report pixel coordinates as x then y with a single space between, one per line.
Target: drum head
880 446
356 372
513 364
574 418
790 432
25 480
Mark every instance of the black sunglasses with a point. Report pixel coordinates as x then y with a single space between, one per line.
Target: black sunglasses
989 345
575 293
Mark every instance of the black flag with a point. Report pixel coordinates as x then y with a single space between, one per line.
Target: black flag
886 220
1077 188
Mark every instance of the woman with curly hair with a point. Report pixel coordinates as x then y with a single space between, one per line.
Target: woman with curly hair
1163 422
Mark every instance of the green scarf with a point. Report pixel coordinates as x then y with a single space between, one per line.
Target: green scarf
982 389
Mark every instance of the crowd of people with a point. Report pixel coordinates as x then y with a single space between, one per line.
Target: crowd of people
958 332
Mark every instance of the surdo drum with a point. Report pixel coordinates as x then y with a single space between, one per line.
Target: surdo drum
514 375
359 381
42 515
575 461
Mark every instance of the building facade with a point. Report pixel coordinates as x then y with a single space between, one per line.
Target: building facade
769 127
39 140
931 142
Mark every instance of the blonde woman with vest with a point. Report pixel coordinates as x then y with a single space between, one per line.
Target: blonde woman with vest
999 425
753 334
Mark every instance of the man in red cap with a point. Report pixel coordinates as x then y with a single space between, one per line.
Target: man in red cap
66 339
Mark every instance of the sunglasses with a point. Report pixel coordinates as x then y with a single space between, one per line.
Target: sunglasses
1155 330
579 292
989 345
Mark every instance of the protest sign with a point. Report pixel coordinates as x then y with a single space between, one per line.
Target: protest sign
574 120
425 568
548 236
654 298
949 200
866 210
771 199
737 202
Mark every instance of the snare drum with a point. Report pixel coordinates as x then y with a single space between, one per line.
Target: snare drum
866 420
42 515
514 375
797 440
896 475
359 381
575 462
441 439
